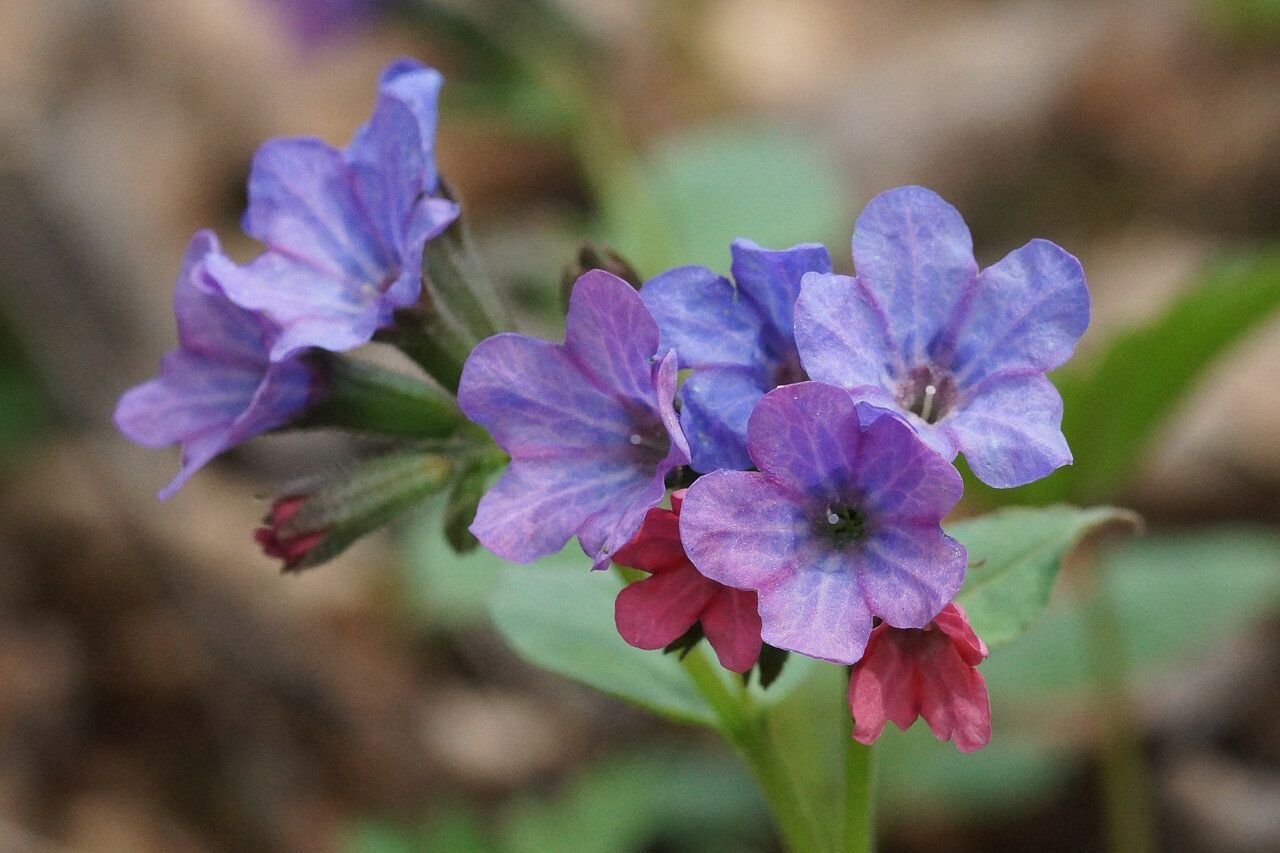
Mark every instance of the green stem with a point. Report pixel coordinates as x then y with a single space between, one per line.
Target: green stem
859 803
748 732
1126 784
368 398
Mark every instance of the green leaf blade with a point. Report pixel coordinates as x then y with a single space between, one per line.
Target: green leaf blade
1014 558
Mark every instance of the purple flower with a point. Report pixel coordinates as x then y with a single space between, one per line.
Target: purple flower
589 426
218 388
344 230
959 354
315 21
839 525
738 341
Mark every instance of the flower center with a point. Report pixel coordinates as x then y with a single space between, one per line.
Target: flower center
789 371
927 394
844 524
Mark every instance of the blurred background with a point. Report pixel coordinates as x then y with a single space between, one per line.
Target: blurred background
163 687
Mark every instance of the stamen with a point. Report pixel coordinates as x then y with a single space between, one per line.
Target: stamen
635 438
926 408
832 518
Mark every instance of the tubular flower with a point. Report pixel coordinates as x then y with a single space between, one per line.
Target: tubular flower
839 525
345 230
930 673
655 612
218 388
738 341
589 425
959 354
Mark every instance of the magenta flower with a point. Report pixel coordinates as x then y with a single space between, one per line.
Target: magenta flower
589 425
738 341
930 673
839 525
959 354
345 230
657 611
218 388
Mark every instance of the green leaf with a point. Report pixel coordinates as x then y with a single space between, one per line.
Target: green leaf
559 615
1014 558
717 183
1112 412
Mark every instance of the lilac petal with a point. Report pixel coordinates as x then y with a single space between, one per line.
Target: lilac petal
900 477
611 336
817 611
770 280
209 324
392 155
1011 434
703 319
533 400
843 335
311 308
191 396
665 377
539 503
1027 313
430 218
196 453
808 435
741 528
303 202
916 255
718 403
285 391
654 612
894 581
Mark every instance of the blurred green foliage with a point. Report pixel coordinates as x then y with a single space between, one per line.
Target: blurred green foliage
693 800
23 413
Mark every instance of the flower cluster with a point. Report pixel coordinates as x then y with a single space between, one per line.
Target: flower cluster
804 422
344 233
818 419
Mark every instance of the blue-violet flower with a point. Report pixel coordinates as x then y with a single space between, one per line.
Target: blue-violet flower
218 388
959 354
738 341
345 230
589 425
839 525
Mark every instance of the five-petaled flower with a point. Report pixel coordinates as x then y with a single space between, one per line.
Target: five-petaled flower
589 425
930 673
959 354
738 341
839 525
218 388
655 612
345 230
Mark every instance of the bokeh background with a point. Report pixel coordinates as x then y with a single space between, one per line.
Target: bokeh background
163 687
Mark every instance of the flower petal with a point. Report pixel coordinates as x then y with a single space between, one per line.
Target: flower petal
611 336
816 609
703 319
1026 314
656 546
210 324
731 622
741 528
915 254
770 280
539 503
843 334
1011 433
901 477
654 612
717 404
302 202
310 307
908 574
883 687
954 701
808 435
